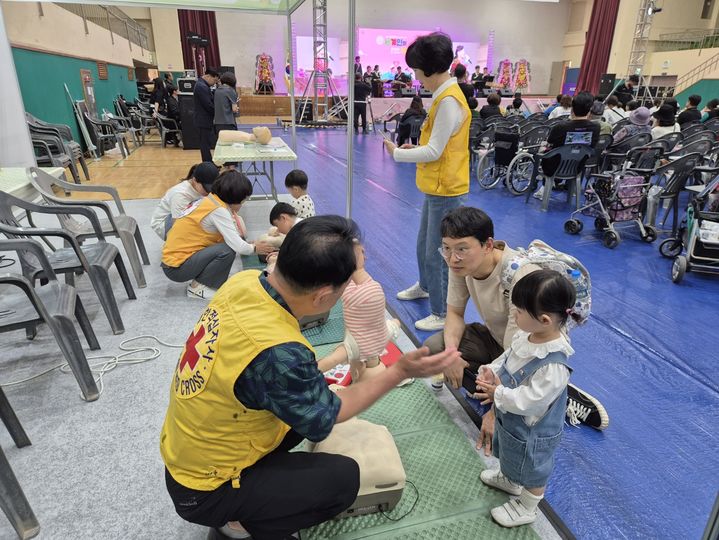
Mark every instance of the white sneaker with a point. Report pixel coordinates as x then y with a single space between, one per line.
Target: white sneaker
513 514
495 479
200 291
539 193
430 324
350 345
393 330
413 293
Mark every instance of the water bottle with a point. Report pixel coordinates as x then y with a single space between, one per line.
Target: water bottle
580 285
438 381
650 216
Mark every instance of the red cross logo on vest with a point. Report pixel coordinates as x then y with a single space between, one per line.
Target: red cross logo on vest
198 358
191 355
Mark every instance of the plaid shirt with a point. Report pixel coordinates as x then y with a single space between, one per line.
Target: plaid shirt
285 381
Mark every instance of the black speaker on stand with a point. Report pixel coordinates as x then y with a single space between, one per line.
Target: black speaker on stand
606 84
190 137
407 92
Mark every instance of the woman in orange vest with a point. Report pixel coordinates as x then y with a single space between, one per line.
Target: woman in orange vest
202 243
442 159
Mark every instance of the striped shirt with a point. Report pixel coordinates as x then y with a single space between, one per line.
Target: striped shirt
363 306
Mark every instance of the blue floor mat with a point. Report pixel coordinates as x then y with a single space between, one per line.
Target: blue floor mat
646 353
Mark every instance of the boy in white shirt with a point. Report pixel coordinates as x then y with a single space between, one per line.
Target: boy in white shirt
196 185
296 184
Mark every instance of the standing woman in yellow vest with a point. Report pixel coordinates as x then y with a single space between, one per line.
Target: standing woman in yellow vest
442 159
202 243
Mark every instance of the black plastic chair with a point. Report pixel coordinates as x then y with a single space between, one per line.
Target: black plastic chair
106 135
572 158
706 135
690 128
93 259
673 138
615 155
595 164
702 147
55 304
675 175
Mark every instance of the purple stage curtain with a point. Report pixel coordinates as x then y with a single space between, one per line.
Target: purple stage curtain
204 24
595 57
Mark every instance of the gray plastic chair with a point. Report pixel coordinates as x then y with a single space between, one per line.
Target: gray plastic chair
119 225
48 153
72 147
56 304
570 169
14 503
12 499
93 259
168 126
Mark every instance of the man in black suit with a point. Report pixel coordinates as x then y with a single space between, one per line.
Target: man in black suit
362 90
204 115
358 66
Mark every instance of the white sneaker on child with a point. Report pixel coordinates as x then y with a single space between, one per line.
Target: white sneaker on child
393 330
200 291
495 479
350 345
413 293
513 514
539 193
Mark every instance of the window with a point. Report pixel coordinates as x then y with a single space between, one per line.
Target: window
707 9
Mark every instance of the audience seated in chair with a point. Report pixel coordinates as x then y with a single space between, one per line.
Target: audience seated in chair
416 109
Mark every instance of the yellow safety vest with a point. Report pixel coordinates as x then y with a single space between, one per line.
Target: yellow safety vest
208 436
449 175
187 237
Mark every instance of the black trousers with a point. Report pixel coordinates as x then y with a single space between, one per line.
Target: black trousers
361 110
208 138
477 346
228 127
279 495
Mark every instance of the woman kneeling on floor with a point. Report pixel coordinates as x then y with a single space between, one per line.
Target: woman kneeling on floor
202 243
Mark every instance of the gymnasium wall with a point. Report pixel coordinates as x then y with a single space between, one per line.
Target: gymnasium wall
531 30
42 77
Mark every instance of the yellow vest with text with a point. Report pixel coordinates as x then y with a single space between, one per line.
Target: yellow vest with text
187 237
449 175
208 436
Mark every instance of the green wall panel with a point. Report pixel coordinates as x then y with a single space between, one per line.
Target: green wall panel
706 88
42 75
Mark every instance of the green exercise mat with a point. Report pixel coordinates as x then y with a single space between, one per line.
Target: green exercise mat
444 466
332 332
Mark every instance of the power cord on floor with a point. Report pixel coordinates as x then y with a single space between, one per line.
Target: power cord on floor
105 363
408 512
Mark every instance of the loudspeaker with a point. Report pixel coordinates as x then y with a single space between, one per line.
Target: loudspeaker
186 86
606 83
225 69
423 92
407 92
487 91
190 137
506 92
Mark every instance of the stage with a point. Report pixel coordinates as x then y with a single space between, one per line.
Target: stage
382 108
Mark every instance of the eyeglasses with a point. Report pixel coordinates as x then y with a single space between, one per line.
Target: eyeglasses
459 253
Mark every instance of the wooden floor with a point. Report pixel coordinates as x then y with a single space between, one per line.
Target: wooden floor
147 173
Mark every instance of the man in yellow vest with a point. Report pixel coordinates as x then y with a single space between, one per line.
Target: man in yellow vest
247 389
442 159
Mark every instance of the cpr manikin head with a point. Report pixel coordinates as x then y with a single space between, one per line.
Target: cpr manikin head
262 134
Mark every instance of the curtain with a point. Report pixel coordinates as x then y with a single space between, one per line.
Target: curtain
197 56
595 57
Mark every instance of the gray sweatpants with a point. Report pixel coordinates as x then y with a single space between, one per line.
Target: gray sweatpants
210 266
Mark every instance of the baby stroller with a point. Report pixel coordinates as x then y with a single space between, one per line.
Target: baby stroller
612 199
492 166
701 237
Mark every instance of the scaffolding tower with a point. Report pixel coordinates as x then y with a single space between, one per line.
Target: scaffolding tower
638 52
321 77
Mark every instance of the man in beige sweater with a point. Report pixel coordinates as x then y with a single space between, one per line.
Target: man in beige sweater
476 262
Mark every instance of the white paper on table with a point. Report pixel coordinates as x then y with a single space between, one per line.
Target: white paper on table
238 145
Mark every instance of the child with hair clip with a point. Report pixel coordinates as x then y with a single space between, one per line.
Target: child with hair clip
528 386
366 329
